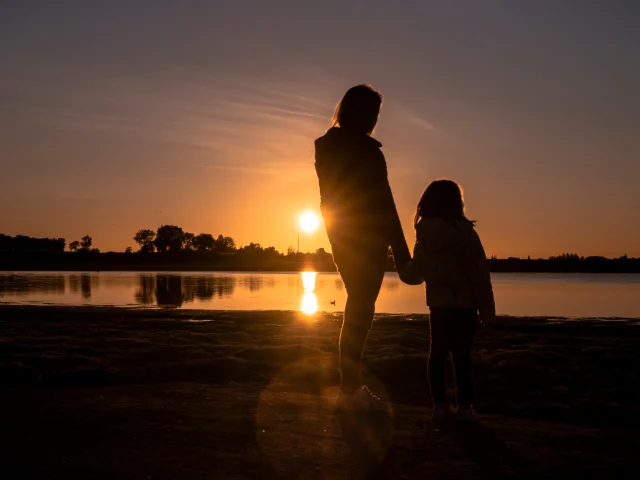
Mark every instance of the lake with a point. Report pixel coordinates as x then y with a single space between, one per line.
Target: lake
519 294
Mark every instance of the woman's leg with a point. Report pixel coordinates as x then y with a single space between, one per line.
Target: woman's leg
465 330
358 316
362 272
438 353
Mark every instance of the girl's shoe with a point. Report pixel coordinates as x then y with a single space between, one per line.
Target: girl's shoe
442 412
465 413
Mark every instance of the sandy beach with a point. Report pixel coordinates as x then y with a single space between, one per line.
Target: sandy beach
137 393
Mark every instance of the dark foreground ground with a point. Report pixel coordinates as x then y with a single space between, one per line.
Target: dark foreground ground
164 394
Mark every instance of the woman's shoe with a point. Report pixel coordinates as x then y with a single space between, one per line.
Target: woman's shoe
361 399
442 412
465 413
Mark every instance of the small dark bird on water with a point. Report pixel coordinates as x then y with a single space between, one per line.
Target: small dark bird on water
333 302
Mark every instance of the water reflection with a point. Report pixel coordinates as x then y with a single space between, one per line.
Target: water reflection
309 303
22 285
85 285
145 293
591 295
169 291
176 290
74 283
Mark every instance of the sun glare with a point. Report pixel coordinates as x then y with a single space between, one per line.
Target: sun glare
309 222
309 304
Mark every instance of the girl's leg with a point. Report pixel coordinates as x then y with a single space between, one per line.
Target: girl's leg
438 353
462 341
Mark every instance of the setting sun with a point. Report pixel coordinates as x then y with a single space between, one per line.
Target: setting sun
309 222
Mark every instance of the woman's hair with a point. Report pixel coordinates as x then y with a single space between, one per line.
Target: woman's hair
442 199
358 110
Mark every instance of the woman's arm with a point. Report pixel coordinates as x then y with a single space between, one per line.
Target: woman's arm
398 243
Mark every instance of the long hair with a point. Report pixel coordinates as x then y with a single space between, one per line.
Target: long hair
441 199
359 109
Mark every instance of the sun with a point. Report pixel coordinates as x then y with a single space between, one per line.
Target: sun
309 222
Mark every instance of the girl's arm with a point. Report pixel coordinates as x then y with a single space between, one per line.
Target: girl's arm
411 271
480 278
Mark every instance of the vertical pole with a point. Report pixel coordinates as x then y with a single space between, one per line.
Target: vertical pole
298 242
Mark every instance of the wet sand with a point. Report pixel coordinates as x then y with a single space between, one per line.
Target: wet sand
127 393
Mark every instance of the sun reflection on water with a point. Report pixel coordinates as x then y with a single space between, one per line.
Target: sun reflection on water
309 303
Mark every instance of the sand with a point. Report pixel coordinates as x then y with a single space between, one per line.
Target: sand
132 393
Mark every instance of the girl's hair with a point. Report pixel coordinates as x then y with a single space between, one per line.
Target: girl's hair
442 199
358 110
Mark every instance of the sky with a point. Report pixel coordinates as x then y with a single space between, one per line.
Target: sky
118 116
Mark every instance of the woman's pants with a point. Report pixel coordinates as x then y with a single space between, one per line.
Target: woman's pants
362 266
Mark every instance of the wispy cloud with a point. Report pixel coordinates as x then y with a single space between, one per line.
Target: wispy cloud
257 170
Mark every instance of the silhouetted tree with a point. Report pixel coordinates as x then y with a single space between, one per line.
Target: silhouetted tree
60 243
567 257
74 246
189 241
145 239
6 242
169 237
128 250
229 243
225 244
23 242
86 242
204 242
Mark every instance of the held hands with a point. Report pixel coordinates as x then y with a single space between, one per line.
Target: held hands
409 275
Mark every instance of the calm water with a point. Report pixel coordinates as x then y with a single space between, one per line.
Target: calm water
566 295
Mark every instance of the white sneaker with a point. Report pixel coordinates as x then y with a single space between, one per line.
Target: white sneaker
465 413
442 412
361 399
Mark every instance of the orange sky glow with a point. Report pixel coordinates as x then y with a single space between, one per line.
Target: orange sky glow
206 119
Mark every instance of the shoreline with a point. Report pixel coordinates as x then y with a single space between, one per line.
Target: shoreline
104 392
181 312
240 269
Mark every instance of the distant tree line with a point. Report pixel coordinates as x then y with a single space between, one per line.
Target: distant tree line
170 238
567 262
169 247
24 243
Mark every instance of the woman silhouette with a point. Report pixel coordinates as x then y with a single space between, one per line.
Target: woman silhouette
362 222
